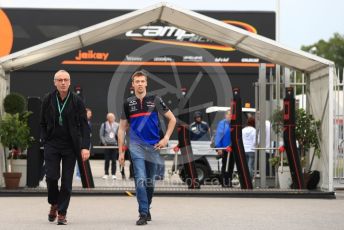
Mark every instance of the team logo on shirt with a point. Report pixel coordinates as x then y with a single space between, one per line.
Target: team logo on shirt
133 108
164 106
150 104
133 102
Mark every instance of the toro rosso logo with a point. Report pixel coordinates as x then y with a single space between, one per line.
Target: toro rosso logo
174 36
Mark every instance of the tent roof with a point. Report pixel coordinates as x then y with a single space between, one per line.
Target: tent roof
190 21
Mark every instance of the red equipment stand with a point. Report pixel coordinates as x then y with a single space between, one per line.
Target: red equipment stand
184 145
187 157
237 144
290 140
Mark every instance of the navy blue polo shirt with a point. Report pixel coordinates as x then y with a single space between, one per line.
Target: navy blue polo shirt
143 117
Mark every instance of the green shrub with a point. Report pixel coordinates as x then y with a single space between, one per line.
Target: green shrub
15 103
15 131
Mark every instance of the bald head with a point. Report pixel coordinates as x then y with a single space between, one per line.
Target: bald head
110 117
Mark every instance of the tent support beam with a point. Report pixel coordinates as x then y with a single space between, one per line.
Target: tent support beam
262 118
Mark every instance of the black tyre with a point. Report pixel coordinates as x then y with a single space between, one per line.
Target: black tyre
202 173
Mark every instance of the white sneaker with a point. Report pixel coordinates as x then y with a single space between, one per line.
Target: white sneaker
105 177
114 177
42 184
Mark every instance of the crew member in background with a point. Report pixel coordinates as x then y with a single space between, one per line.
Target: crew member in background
199 129
249 141
108 137
223 140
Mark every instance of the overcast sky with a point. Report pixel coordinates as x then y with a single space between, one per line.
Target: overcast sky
302 22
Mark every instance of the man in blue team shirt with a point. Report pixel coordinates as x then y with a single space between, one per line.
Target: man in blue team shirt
223 140
140 118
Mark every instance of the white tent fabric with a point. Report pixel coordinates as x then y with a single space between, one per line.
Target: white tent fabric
319 71
321 102
79 39
185 19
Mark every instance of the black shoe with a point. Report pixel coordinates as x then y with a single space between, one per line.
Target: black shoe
149 217
142 220
227 185
61 219
52 213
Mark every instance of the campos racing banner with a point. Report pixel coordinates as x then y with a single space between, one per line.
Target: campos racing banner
22 28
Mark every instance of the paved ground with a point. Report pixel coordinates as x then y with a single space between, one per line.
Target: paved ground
174 212
177 213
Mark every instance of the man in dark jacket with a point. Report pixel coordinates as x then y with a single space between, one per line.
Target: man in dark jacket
65 135
199 129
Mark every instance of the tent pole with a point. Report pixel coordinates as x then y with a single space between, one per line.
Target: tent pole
262 118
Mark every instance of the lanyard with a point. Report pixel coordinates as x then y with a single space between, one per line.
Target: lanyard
61 109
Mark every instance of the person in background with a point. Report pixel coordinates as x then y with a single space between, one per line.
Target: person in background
199 129
268 145
127 157
249 141
89 117
108 137
223 140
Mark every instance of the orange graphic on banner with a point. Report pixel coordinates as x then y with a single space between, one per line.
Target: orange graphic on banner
6 34
243 25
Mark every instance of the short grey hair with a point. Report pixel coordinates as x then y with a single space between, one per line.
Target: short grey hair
110 115
59 72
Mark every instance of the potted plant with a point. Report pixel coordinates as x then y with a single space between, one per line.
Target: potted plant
306 129
14 137
280 162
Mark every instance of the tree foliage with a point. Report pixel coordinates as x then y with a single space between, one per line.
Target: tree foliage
333 49
306 129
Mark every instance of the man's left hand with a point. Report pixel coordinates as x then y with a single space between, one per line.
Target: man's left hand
85 154
162 143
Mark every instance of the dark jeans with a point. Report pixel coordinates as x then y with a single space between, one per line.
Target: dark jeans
131 168
227 176
110 154
267 168
250 162
53 158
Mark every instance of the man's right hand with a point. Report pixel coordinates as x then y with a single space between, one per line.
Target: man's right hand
220 152
121 158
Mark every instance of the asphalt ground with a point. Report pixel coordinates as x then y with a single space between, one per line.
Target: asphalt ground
120 212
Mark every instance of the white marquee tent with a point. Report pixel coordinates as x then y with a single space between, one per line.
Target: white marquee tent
320 72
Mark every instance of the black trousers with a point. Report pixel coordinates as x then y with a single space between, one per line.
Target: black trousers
131 168
110 154
53 158
227 176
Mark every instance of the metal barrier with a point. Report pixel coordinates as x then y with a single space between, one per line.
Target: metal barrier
338 174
